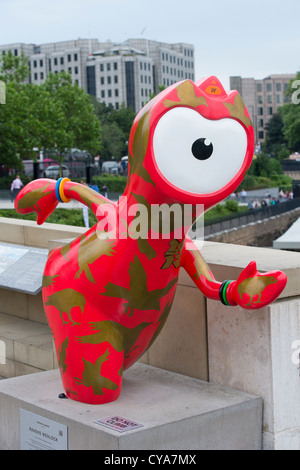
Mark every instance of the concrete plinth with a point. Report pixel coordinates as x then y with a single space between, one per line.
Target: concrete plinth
176 412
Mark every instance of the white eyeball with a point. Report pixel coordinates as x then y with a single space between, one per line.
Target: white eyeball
196 154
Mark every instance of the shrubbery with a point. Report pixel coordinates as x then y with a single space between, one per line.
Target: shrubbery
114 183
59 216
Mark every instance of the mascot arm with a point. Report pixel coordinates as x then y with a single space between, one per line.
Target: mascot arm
252 290
43 196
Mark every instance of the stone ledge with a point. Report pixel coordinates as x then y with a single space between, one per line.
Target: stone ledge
28 346
176 412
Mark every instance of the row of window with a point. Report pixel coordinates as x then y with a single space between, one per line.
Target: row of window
109 66
115 79
15 52
145 65
166 56
109 80
269 87
41 75
56 60
168 82
278 99
269 111
174 72
110 93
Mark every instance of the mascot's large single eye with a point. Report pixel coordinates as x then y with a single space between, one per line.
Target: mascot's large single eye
201 149
196 154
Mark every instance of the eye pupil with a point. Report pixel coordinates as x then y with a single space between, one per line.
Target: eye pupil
202 149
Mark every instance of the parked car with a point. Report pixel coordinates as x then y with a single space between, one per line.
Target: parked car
110 167
53 171
43 165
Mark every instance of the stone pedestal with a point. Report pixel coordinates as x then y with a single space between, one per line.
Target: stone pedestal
175 413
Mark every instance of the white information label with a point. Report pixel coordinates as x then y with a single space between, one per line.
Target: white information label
117 423
39 433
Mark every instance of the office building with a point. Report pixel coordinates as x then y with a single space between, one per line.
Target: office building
262 98
124 73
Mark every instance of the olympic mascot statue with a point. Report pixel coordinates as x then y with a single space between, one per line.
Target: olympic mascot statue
108 293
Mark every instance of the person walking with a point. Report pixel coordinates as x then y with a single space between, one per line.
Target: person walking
15 187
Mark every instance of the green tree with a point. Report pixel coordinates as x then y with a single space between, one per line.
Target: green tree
116 125
290 113
15 113
56 115
263 165
13 68
75 123
112 141
274 135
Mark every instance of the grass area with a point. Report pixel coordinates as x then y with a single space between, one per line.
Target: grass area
59 216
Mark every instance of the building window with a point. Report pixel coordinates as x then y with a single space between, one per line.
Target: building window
269 87
55 61
35 76
35 63
278 99
76 70
259 87
102 94
109 93
101 67
41 63
269 99
260 111
116 92
261 135
261 123
115 78
16 52
278 87
108 67
61 61
108 80
76 57
115 65
270 111
116 105
42 75
102 80
69 58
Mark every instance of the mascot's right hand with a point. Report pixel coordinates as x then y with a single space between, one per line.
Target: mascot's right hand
39 196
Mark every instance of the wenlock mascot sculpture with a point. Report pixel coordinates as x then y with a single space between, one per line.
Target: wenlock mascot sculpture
108 293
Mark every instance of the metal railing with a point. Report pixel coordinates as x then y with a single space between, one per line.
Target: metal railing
237 220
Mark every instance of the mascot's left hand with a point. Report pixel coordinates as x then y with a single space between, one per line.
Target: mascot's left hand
253 290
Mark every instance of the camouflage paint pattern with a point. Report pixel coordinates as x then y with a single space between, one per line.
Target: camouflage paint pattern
106 300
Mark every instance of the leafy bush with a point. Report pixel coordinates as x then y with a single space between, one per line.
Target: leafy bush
114 183
59 216
231 205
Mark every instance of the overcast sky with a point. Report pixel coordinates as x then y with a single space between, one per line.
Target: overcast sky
231 37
